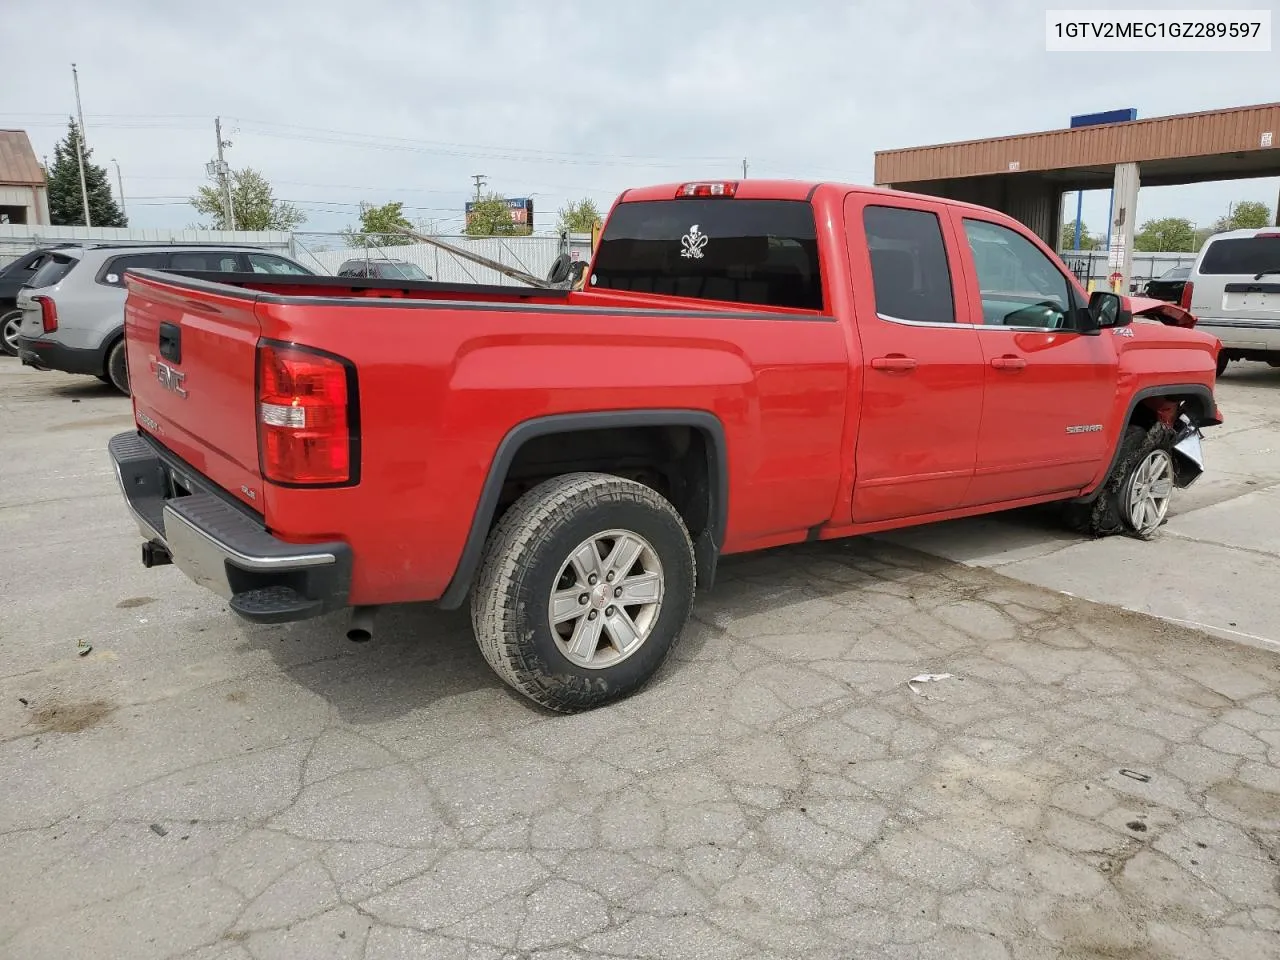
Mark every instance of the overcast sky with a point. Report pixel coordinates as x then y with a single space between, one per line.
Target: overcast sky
342 102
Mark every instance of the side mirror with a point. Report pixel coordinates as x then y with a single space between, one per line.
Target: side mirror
1107 309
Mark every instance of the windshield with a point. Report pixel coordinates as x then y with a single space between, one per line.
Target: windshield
1243 255
1177 273
743 251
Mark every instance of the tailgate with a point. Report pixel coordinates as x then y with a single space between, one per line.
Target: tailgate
192 357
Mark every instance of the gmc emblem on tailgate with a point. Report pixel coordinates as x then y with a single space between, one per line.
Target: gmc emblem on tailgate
171 379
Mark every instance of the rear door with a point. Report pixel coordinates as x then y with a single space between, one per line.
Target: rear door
192 356
1049 387
922 365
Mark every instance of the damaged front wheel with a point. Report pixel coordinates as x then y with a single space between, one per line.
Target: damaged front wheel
1134 498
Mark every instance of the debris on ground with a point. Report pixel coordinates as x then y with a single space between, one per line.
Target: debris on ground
158 830
83 647
928 678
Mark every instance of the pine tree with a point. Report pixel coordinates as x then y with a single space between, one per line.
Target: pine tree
66 203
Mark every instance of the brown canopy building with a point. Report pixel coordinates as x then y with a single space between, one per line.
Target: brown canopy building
23 198
1025 176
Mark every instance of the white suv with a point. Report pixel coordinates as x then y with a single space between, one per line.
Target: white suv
1234 291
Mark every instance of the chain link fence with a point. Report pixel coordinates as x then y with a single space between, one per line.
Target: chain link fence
397 257
1094 265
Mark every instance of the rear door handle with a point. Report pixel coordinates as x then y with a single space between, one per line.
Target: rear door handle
895 361
1008 362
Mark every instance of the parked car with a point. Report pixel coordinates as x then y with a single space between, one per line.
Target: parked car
1168 286
14 275
73 306
752 364
1234 289
382 269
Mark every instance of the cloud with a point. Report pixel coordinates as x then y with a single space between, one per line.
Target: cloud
382 101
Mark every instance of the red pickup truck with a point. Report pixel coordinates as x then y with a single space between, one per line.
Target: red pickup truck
750 364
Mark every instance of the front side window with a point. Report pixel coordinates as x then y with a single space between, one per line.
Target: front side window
909 265
761 252
1020 286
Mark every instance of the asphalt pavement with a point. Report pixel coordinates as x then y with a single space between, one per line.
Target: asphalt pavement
1077 780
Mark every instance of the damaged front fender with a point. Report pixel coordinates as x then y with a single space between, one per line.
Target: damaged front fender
1188 454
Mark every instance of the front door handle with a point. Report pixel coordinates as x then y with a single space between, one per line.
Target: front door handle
894 362
1008 362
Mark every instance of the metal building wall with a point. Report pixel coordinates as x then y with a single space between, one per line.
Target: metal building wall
1239 129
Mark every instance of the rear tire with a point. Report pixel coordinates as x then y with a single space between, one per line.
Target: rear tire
1112 511
10 321
560 543
117 368
1223 360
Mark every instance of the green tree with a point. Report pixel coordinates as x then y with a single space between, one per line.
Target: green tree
1067 239
253 204
491 217
578 217
378 226
66 202
1245 215
1166 234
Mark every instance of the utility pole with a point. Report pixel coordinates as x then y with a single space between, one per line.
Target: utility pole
744 168
120 184
84 183
224 177
479 179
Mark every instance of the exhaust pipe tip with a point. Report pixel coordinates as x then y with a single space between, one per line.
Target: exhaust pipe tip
361 628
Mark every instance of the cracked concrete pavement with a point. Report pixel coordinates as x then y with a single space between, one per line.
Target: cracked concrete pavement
1220 549
1091 782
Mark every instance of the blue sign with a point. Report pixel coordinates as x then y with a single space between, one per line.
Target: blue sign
1108 116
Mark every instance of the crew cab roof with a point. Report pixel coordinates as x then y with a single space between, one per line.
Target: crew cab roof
785 190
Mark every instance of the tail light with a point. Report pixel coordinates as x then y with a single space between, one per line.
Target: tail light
715 188
308 417
48 313
1185 301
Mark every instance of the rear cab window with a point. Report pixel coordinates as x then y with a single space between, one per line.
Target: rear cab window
52 271
1236 256
758 252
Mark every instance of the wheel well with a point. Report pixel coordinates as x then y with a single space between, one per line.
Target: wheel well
1167 408
107 346
673 460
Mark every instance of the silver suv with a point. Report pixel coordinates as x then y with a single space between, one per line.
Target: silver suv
1234 290
73 306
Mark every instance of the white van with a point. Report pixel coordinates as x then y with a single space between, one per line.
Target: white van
1234 291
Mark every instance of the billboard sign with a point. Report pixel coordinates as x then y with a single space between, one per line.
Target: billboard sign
521 211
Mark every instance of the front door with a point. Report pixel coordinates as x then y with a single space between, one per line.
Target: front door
921 365
1049 386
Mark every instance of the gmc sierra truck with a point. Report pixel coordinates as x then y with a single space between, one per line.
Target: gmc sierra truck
749 364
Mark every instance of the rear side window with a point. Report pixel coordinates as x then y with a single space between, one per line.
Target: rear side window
52 271
112 272
909 265
211 261
1251 255
762 252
